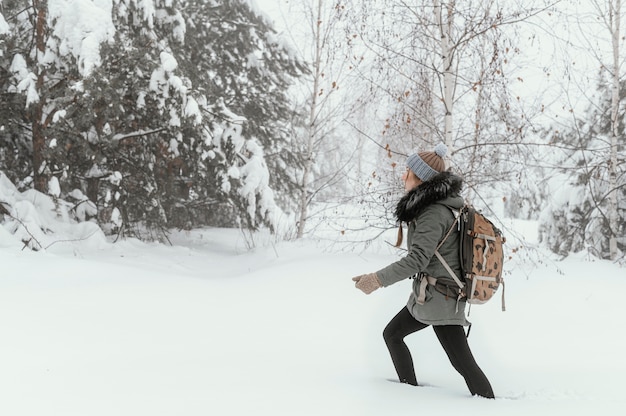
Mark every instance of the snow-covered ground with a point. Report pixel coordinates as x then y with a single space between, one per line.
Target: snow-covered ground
207 327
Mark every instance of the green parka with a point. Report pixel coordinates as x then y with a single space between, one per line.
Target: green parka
428 211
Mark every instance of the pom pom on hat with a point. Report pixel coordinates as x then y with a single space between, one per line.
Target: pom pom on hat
425 165
441 150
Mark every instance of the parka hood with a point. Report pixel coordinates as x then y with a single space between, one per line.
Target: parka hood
444 187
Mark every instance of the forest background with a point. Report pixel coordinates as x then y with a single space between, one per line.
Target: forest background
147 115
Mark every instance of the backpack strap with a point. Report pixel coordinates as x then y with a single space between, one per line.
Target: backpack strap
457 215
440 257
449 270
425 280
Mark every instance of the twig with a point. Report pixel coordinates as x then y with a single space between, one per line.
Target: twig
32 237
388 149
70 241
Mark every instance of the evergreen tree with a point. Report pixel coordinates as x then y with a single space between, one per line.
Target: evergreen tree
123 127
39 70
576 216
169 113
15 145
235 58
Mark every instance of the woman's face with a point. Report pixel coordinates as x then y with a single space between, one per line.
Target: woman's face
410 180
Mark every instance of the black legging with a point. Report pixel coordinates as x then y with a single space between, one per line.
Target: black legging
452 339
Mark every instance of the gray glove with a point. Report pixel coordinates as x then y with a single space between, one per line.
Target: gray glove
367 282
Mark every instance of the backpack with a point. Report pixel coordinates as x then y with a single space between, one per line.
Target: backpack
482 256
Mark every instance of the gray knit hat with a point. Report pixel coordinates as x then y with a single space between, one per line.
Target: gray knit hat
425 165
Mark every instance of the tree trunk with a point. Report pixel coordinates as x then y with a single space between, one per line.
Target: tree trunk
308 162
614 16
445 27
40 178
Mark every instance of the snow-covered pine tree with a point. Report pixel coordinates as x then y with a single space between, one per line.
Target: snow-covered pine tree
148 116
89 122
575 217
244 69
15 143
156 131
47 51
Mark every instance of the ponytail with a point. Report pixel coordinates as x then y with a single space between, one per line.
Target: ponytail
400 236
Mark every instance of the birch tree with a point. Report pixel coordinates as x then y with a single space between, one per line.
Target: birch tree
446 70
325 83
613 25
444 18
318 25
329 95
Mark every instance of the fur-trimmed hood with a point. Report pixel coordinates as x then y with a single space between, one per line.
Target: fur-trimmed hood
440 187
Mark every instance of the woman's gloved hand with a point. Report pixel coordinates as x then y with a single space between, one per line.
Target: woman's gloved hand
367 282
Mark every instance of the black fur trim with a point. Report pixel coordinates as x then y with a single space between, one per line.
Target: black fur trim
438 188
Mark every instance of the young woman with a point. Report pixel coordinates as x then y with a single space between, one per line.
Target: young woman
427 207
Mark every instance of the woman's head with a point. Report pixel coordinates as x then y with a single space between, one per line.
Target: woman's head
424 165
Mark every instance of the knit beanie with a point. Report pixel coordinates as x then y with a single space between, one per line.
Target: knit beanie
425 165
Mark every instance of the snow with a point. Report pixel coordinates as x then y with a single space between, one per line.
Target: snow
208 326
149 11
81 26
168 62
264 9
158 80
27 80
54 188
175 20
4 26
192 109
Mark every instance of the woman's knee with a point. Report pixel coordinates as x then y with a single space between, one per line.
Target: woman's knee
400 326
391 336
